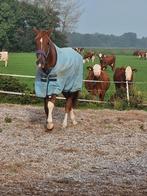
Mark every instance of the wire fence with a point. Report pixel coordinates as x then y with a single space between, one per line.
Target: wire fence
138 83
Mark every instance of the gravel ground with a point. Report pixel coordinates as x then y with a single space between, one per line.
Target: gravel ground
105 154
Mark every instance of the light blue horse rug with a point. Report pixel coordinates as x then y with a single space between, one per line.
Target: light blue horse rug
66 75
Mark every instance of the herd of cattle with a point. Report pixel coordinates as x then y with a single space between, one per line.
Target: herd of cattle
141 54
98 81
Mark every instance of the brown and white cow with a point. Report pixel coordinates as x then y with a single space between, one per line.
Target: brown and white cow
135 53
121 75
89 55
106 60
141 54
79 50
97 82
4 57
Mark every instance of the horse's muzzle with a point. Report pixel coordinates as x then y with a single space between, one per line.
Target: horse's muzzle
41 62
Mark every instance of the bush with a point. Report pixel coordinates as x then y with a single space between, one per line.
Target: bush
9 83
119 100
136 99
12 84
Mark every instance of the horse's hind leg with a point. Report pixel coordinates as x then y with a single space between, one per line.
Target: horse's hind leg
70 103
72 116
68 107
46 106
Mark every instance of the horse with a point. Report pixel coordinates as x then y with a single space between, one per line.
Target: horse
59 70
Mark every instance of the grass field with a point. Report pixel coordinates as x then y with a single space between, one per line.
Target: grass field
24 64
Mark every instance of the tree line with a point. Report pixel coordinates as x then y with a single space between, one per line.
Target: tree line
127 40
19 17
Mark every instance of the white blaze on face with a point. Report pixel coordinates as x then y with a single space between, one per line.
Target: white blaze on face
41 40
128 73
97 70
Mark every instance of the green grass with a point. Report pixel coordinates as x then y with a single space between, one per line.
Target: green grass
21 64
24 64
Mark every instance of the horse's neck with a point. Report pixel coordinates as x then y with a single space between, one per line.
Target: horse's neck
52 57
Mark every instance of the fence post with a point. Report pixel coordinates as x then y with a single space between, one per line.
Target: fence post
127 88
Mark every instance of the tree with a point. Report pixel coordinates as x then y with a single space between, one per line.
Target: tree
22 38
8 19
16 32
46 17
69 12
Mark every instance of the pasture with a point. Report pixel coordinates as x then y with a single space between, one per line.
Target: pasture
24 64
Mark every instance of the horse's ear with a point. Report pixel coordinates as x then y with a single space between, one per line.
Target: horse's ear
35 30
49 32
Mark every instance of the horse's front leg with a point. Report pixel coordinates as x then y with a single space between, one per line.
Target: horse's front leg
50 106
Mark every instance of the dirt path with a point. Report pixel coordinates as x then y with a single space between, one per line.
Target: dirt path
105 154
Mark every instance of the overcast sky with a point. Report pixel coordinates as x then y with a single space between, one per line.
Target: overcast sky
113 17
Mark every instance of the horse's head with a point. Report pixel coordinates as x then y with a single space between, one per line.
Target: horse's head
43 45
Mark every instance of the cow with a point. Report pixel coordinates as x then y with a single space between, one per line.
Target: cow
79 50
106 60
141 54
97 81
89 55
4 57
135 53
121 75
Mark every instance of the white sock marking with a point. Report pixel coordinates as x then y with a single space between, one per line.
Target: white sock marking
65 120
72 116
49 119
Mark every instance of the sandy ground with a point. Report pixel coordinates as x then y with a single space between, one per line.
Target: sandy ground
105 154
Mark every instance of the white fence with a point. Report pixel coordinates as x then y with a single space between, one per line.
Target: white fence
82 100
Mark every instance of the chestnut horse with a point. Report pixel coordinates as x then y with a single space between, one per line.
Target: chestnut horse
60 70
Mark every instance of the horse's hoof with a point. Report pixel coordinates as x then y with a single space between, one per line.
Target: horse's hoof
74 123
50 126
64 126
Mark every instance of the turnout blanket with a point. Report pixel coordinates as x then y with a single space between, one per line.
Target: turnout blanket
66 75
